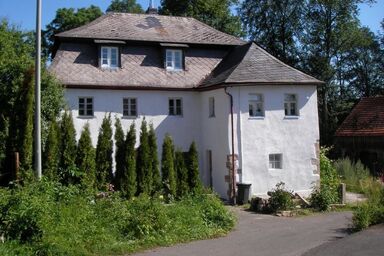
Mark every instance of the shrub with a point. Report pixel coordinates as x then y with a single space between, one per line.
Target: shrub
280 199
321 199
352 173
328 177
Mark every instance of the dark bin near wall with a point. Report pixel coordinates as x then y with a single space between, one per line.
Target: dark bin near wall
243 193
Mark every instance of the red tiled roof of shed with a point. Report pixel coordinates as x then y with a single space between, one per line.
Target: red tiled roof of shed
365 120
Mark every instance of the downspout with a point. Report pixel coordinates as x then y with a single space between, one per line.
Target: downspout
233 192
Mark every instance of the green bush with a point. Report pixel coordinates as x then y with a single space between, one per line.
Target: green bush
321 199
47 218
329 180
280 199
354 174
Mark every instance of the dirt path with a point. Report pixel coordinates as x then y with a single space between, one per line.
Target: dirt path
266 235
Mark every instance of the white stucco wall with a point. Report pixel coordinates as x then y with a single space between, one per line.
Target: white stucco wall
294 138
255 138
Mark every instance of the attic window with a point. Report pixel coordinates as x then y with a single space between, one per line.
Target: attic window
109 57
174 59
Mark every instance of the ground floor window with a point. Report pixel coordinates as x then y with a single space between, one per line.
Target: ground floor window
175 107
275 161
85 106
130 107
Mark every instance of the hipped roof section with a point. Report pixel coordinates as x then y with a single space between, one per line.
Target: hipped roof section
151 28
250 64
365 120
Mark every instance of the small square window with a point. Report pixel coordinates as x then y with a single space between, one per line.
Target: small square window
290 105
174 60
256 105
275 161
85 106
130 107
109 57
211 107
175 107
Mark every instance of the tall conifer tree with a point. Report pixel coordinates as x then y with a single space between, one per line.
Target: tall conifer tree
144 179
120 153
181 174
168 169
193 169
128 179
67 148
52 152
104 151
155 171
85 158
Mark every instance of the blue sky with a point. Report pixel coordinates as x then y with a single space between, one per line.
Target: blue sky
22 12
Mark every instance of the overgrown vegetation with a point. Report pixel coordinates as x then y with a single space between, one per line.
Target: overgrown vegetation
280 198
47 218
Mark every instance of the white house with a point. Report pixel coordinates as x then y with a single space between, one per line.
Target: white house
182 76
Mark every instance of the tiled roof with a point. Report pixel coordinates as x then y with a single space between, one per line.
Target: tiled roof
366 119
251 64
155 28
76 65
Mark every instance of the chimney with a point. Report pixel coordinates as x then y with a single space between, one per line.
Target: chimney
151 9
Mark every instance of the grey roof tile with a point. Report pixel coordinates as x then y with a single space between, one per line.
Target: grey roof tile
251 64
155 28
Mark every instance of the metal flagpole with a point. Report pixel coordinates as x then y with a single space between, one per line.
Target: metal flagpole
37 92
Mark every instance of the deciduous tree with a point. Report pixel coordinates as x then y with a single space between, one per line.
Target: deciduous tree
129 6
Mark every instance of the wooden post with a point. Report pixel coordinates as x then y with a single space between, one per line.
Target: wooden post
16 166
343 193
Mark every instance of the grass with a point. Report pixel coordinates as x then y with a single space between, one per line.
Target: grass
46 218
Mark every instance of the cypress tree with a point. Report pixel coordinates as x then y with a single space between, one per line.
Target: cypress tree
104 151
67 148
52 152
128 180
193 169
85 158
155 171
181 174
167 168
26 122
120 153
144 179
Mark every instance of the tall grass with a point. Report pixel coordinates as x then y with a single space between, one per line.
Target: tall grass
46 218
356 176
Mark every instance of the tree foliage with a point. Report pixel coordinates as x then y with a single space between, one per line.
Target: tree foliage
68 148
168 168
181 174
129 6
144 163
155 171
193 169
275 25
51 153
66 19
120 153
128 182
216 13
85 158
104 150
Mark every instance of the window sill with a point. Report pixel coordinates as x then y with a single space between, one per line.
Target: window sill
291 117
129 117
109 68
176 116
212 116
174 70
86 117
256 117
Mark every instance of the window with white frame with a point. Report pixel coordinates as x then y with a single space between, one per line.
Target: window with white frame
256 105
290 105
275 161
175 107
85 106
211 107
109 57
174 59
130 107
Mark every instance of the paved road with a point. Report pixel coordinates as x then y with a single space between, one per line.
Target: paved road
369 242
266 235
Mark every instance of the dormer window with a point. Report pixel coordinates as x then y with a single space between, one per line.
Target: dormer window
109 57
174 59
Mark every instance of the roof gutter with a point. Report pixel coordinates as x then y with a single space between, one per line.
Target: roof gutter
233 188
